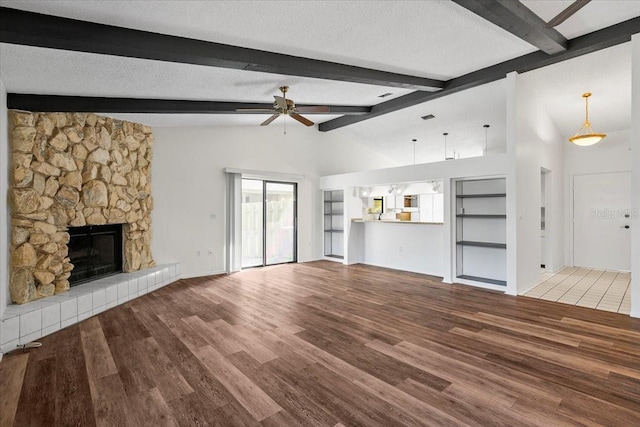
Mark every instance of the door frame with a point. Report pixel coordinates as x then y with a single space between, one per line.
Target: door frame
549 232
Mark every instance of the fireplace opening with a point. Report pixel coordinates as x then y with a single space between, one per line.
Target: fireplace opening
95 251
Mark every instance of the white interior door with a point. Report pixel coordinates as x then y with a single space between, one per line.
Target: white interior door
601 221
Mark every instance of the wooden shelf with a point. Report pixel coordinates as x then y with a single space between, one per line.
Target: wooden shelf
476 223
472 196
482 244
333 216
480 216
483 280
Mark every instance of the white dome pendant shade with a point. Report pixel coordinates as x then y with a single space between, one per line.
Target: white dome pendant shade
585 135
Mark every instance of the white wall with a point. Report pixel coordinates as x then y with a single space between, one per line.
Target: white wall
353 233
611 155
495 165
635 175
188 182
4 207
533 143
408 247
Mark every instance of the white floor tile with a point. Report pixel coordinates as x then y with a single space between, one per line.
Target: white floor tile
50 315
30 322
85 303
600 289
10 329
68 309
51 329
68 322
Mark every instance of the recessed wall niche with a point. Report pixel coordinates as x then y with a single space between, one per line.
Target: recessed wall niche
72 170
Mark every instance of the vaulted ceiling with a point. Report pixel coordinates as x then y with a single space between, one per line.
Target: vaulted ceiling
436 39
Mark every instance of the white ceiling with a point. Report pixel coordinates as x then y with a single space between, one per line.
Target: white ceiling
606 73
596 15
433 38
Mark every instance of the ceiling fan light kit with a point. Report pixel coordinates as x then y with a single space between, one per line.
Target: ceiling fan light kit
585 135
286 107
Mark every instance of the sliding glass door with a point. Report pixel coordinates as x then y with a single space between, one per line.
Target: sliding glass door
252 223
269 223
280 223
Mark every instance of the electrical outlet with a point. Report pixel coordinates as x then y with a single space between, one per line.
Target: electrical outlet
210 252
197 253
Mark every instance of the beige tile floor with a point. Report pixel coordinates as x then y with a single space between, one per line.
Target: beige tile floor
585 287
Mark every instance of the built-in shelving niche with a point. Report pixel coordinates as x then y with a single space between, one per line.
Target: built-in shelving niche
334 224
480 218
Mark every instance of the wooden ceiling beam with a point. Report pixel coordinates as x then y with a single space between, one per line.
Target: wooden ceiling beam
35 29
583 45
519 20
90 104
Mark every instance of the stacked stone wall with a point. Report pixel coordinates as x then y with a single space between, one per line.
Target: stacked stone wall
71 170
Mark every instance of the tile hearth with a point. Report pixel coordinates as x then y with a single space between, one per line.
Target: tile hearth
21 324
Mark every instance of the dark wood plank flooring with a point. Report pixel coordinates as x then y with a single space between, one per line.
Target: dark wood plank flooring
328 345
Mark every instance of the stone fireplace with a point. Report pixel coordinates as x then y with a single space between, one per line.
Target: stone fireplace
74 170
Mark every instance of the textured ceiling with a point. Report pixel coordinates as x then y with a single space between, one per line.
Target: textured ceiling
28 69
461 115
433 38
606 73
596 15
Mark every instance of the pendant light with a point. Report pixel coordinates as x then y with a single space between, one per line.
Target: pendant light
414 150
585 135
445 147
486 139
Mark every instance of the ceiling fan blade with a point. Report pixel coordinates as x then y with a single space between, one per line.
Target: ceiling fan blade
281 102
565 14
313 109
270 119
256 110
301 119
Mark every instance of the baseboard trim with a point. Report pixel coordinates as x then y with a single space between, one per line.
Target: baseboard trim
208 273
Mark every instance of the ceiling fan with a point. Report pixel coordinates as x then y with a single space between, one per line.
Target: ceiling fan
283 106
568 12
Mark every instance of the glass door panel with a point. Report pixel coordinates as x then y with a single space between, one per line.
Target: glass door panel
280 223
252 223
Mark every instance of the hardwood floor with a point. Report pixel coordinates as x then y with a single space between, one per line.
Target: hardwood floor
328 345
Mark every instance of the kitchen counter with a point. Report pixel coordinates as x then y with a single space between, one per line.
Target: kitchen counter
394 221
417 248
